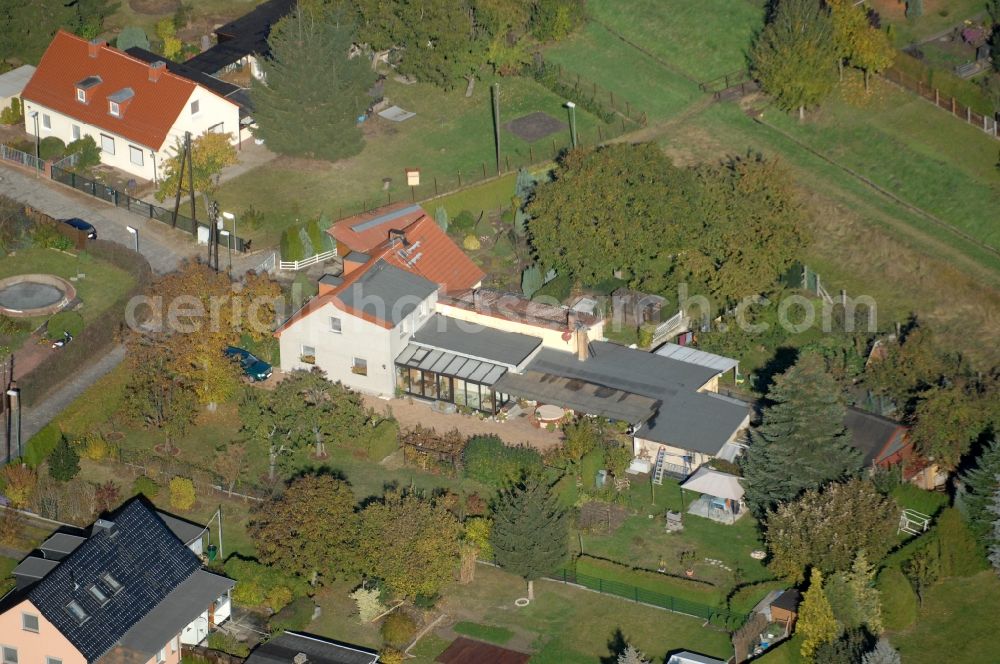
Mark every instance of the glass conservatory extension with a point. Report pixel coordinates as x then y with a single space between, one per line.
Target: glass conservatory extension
442 376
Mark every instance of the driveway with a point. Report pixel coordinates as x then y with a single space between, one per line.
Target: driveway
162 246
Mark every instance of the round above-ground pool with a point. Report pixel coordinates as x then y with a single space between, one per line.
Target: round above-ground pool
28 295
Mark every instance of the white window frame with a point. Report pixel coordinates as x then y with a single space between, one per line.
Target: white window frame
24 617
114 109
132 152
161 656
3 654
81 95
46 122
77 132
308 350
107 140
195 107
336 325
53 660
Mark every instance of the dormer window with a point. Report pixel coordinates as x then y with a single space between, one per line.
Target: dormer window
118 102
84 88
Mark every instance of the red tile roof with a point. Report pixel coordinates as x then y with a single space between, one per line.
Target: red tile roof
363 232
430 253
150 113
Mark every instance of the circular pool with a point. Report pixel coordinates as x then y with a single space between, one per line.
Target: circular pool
34 295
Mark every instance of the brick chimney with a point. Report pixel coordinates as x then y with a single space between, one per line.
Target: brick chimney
94 47
156 69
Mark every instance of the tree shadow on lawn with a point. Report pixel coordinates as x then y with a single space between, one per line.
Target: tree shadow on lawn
782 360
617 645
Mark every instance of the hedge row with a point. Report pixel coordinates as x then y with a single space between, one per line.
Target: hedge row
100 336
488 460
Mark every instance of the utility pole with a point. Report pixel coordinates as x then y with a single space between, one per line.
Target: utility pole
495 93
190 159
185 157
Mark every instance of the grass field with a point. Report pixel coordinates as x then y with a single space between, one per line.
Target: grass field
956 623
702 40
603 58
103 284
938 16
450 135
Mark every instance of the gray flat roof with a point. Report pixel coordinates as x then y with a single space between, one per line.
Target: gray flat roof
696 421
178 609
387 292
625 369
283 648
185 530
690 355
12 83
63 543
579 395
688 657
35 567
474 340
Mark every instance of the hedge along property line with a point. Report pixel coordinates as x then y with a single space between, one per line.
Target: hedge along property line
102 334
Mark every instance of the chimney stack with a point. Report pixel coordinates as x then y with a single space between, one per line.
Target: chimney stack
156 69
582 343
94 47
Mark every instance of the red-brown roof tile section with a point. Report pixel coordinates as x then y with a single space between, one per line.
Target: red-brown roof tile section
467 651
431 254
363 232
151 112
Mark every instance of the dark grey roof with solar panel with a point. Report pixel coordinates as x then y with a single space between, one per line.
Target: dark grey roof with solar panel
122 572
475 340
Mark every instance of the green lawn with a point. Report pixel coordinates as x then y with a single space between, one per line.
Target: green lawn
938 16
103 284
630 74
957 623
7 566
926 158
703 39
450 140
491 633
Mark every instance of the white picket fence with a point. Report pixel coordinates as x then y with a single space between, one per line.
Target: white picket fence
306 262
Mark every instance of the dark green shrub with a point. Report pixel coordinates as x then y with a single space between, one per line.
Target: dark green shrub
293 617
960 554
558 289
320 239
47 236
899 601
10 326
64 462
132 36
264 577
13 114
552 20
292 248
42 444
228 644
398 629
90 154
463 222
51 148
488 460
64 321
146 486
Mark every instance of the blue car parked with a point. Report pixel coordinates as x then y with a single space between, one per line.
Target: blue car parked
255 368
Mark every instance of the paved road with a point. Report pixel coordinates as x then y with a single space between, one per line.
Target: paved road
162 246
33 419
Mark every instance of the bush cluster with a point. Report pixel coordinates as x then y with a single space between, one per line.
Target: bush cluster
260 585
293 617
488 460
398 629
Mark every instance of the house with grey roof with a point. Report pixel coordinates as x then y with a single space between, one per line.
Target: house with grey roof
129 591
298 648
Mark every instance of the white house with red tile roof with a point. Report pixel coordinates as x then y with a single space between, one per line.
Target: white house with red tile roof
135 111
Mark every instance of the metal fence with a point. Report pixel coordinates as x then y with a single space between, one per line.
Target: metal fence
140 207
943 101
721 617
8 153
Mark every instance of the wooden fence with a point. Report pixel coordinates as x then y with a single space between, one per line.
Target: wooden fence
944 102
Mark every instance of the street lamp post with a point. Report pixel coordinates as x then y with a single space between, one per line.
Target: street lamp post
572 122
229 241
135 236
229 216
34 116
14 404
